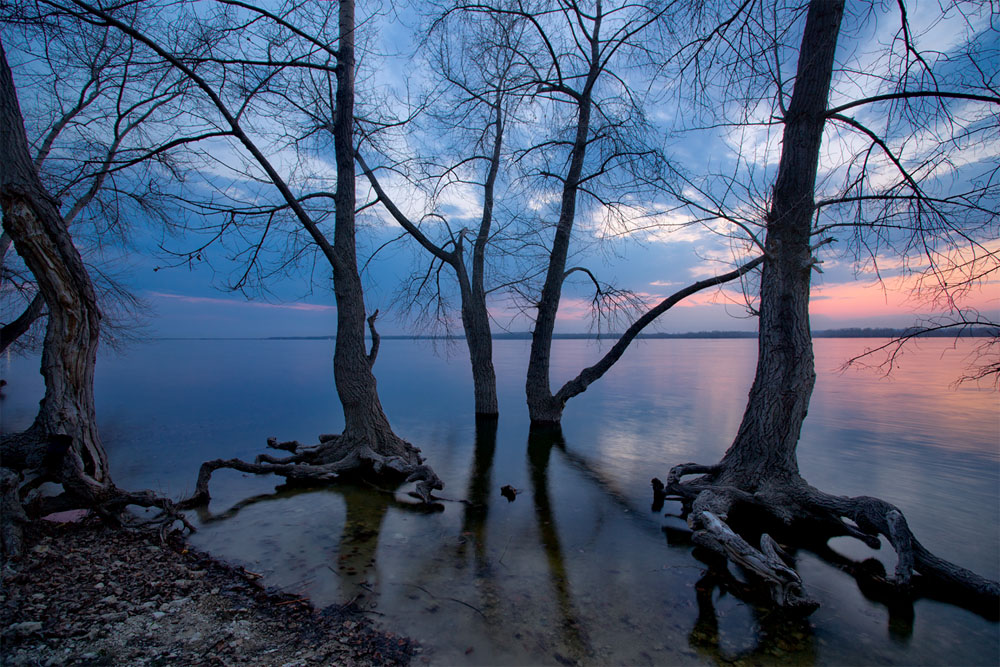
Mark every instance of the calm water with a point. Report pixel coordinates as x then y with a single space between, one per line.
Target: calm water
578 567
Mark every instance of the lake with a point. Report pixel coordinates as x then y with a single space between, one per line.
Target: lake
577 568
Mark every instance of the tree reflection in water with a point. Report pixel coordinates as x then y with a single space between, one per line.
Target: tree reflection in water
573 635
781 638
365 511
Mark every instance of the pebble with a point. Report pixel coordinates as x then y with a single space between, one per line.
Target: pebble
25 627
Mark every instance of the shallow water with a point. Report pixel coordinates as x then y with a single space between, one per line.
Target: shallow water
577 567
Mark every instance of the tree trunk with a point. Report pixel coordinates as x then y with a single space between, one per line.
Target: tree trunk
760 469
367 445
476 322
364 418
64 436
543 406
779 398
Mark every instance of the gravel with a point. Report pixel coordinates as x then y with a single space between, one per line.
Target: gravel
86 594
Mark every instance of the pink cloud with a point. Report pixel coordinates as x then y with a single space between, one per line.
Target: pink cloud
218 301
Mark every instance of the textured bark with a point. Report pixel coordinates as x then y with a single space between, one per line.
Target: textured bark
63 444
368 447
764 448
760 471
65 423
365 422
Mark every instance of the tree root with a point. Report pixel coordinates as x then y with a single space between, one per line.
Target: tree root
21 504
784 582
334 457
707 502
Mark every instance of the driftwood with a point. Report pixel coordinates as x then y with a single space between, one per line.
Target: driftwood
765 563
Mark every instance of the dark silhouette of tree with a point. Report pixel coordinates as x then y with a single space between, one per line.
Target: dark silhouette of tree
100 131
63 444
367 447
759 473
483 84
596 143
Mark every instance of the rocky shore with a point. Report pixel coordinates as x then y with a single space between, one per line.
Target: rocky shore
85 594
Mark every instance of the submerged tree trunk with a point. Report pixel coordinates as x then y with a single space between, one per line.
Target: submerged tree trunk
368 446
476 324
760 470
543 406
472 290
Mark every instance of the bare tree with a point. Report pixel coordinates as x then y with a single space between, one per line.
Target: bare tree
760 469
475 59
103 128
367 446
63 444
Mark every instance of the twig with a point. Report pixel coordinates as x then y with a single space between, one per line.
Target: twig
505 550
279 604
436 597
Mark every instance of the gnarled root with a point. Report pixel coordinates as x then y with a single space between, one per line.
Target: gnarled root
708 500
765 563
708 520
21 503
874 517
335 456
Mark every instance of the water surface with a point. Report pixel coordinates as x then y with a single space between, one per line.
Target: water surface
577 567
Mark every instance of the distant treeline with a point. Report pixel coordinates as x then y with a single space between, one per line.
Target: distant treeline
867 332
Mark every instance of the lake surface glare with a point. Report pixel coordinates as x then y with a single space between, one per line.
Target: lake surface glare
577 568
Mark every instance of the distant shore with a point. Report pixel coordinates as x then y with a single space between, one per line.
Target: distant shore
974 332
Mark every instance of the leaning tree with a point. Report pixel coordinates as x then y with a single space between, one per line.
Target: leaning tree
101 129
758 477
254 63
62 445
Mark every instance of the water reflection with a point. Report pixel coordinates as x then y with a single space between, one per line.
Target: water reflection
913 440
541 441
478 496
780 638
365 510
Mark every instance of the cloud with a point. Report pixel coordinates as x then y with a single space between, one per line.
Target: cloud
239 303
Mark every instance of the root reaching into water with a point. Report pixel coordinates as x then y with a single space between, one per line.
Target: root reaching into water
390 460
791 504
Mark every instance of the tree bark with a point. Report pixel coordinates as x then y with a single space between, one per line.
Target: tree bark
543 407
368 446
760 469
765 445
479 339
64 435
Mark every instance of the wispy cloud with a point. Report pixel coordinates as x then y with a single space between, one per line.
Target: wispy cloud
238 303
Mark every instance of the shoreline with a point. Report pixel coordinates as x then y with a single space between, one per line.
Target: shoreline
84 593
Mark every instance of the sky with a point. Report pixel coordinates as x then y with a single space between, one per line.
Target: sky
193 299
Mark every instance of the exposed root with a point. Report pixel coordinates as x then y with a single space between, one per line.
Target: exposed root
22 503
765 563
708 500
874 516
334 457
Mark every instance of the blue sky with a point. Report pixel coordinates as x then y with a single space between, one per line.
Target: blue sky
193 299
